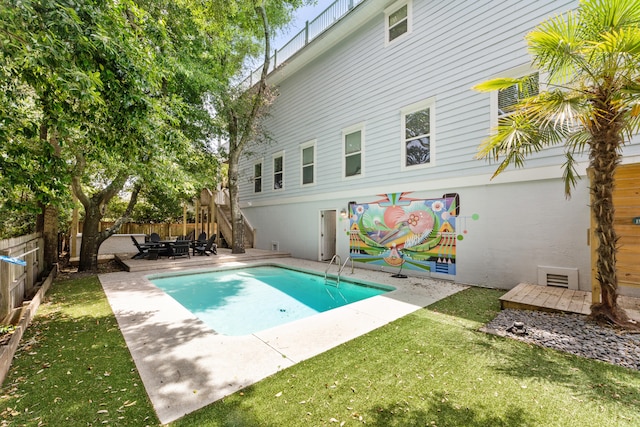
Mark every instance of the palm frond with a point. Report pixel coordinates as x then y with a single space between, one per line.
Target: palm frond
497 84
557 46
515 138
624 42
578 141
558 110
570 175
606 15
632 121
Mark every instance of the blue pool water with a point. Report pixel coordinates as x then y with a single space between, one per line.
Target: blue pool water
248 300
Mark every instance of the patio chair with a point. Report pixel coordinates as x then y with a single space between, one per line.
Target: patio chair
141 251
200 241
155 237
154 252
206 248
179 248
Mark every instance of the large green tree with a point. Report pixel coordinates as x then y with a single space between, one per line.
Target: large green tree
111 102
592 58
240 107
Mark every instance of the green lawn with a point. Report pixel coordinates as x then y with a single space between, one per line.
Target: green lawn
431 368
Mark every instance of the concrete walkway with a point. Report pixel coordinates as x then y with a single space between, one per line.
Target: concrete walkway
185 366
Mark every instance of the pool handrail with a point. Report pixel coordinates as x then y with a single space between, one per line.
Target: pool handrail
344 265
338 261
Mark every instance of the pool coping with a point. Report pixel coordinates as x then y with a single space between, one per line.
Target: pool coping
185 366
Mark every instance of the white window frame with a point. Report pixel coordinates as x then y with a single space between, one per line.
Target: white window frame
429 103
304 146
391 10
261 177
273 171
347 131
517 72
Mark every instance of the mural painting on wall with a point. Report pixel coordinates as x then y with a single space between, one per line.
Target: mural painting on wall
418 234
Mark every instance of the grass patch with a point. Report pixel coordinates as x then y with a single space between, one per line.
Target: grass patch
73 367
430 368
433 368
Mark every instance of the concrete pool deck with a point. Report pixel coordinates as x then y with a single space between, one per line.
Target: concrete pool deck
185 366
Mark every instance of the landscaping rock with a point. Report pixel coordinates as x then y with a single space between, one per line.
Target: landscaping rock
571 333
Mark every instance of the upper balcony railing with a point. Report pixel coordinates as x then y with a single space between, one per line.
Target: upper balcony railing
311 30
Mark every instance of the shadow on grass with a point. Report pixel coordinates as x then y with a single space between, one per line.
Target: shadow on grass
587 378
233 411
442 412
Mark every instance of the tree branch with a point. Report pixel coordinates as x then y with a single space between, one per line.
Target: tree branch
126 216
262 84
76 184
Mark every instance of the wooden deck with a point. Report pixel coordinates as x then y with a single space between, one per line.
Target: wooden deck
548 298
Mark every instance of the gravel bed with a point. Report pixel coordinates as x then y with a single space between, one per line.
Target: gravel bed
571 333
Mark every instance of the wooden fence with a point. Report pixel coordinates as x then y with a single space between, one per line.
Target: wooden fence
19 282
165 230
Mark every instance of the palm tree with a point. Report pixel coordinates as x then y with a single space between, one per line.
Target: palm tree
591 104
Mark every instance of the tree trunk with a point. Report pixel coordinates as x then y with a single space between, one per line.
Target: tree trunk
237 222
605 157
90 240
241 127
50 235
47 222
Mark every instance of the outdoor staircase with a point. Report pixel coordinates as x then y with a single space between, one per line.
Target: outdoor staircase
223 214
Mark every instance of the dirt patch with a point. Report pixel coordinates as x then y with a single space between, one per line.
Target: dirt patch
67 271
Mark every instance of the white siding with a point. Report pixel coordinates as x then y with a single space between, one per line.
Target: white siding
453 46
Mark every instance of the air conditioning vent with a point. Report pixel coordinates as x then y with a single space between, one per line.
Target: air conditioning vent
558 277
275 246
561 280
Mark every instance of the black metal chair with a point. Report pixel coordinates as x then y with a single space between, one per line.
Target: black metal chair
206 248
141 251
154 237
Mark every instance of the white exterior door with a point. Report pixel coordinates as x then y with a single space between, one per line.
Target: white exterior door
327 234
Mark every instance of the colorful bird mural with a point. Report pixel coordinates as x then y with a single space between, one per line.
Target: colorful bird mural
398 229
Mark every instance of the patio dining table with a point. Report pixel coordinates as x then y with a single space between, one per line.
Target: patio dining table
154 249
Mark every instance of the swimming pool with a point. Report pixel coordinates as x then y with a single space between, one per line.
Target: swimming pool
244 301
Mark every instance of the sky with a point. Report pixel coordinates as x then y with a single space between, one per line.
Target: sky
302 15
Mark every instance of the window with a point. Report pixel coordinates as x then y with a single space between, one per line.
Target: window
418 134
509 97
353 143
503 101
257 177
278 171
397 20
308 161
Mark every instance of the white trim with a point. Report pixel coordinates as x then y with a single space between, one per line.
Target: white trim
253 180
302 147
429 103
347 131
394 8
274 156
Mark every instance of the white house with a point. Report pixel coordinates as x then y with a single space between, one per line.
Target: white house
374 135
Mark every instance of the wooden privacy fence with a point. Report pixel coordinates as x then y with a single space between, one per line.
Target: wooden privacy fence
165 230
18 282
626 201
